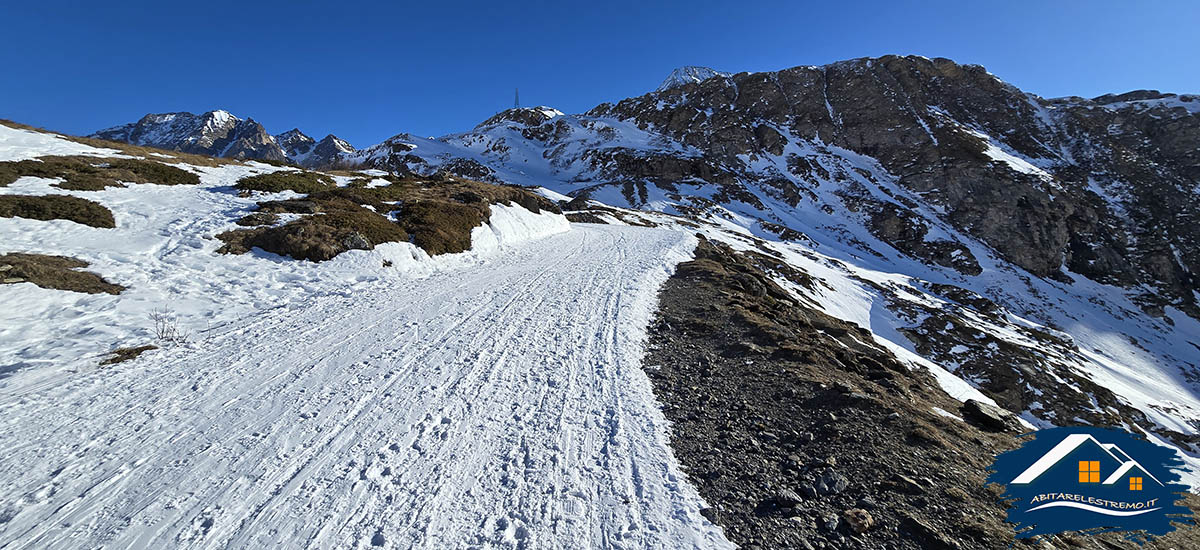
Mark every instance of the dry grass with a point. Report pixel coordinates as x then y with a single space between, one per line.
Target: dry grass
56 207
82 173
153 172
441 227
121 355
53 272
584 217
256 219
19 126
289 180
441 215
437 216
341 225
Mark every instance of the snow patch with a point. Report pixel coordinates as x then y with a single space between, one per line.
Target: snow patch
18 144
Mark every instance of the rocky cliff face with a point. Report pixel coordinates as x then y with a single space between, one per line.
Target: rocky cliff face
304 151
1098 187
215 133
295 143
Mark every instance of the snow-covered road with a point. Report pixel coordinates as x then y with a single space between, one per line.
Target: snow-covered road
495 406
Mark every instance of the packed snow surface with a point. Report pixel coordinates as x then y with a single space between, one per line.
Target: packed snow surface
497 405
488 399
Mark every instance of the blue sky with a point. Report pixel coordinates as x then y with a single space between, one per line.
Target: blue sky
366 71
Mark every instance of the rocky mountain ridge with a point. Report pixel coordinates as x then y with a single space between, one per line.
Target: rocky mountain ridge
221 134
690 74
1003 237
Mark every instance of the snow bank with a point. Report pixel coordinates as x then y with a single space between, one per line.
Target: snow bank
508 226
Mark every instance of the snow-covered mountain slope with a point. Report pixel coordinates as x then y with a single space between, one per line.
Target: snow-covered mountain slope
295 144
500 405
690 74
302 150
1041 250
221 134
1034 248
215 133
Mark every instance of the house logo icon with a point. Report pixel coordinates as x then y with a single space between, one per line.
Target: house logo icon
1091 480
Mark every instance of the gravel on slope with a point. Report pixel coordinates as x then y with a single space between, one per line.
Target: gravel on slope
800 433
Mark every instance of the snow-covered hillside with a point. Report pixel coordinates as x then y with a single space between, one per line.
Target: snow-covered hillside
490 399
162 249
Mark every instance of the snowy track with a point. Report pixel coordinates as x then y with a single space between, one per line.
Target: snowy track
496 406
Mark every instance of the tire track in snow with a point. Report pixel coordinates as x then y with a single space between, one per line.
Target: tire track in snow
497 406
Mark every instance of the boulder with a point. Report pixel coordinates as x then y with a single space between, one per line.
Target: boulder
990 417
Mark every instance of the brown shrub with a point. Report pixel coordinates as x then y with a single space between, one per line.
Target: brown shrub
53 272
376 197
439 216
12 170
145 171
923 434
121 355
584 217
80 173
56 207
441 227
287 180
289 206
258 218
343 226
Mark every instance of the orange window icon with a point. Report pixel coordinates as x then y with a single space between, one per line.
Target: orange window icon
1135 484
1089 471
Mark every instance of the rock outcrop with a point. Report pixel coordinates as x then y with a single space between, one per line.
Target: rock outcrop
1102 188
214 133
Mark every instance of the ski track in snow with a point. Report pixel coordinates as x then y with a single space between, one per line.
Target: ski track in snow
501 405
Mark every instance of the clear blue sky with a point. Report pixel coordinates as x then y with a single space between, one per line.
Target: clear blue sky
368 71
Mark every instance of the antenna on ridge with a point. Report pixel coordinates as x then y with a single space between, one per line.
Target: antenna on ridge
517 98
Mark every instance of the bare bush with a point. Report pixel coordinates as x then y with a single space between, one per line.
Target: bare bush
166 328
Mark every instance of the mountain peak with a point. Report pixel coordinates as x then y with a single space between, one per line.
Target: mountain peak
217 133
295 143
529 116
687 75
336 143
294 133
221 115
